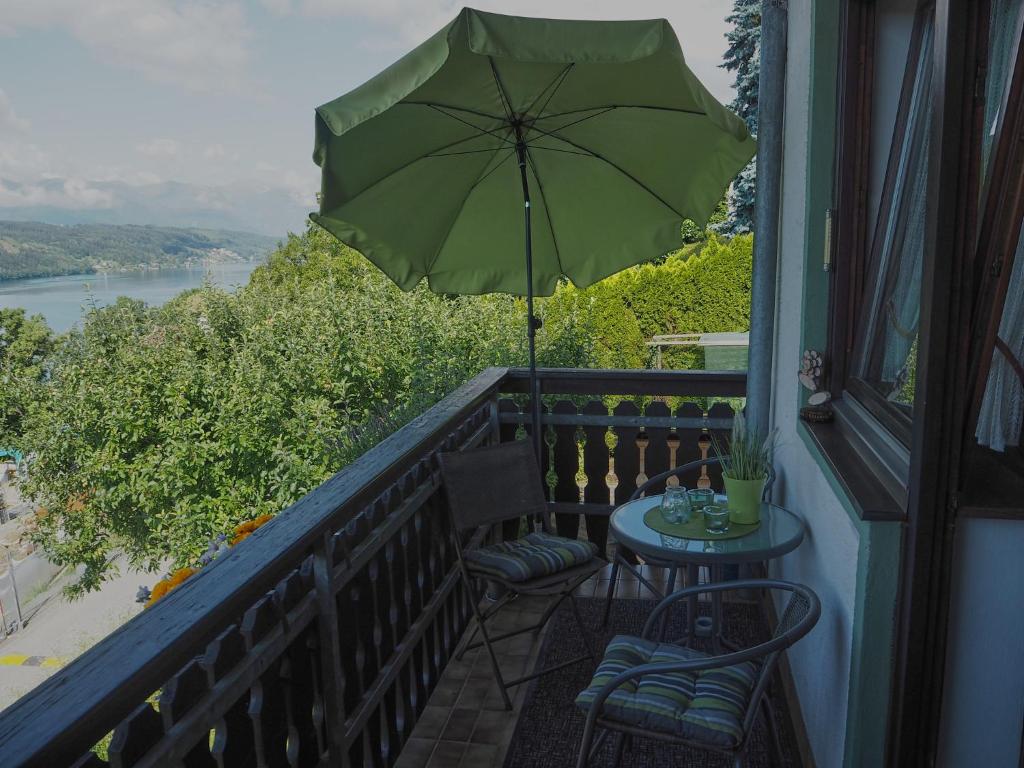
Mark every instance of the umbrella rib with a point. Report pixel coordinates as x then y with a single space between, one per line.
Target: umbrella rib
578 121
617 167
470 151
557 149
488 132
559 79
607 107
506 102
458 213
435 105
547 211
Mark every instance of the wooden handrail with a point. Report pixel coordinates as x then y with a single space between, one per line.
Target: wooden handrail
585 381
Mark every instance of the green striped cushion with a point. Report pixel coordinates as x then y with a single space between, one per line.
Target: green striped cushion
536 554
706 706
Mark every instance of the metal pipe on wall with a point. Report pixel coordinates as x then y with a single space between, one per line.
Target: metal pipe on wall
771 96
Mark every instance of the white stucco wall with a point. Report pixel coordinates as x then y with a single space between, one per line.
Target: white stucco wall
827 560
982 703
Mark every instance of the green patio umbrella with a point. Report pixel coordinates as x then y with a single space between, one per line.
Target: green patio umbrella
598 130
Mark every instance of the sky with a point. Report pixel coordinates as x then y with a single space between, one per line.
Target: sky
221 94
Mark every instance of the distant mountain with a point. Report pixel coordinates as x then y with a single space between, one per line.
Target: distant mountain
242 207
32 249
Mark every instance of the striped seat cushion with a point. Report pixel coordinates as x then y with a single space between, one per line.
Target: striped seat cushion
705 706
536 554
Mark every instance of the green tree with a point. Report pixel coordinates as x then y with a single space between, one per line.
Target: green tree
161 428
26 342
743 57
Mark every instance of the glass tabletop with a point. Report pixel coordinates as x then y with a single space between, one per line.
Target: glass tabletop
780 532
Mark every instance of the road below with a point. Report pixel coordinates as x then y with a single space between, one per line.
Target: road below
64 629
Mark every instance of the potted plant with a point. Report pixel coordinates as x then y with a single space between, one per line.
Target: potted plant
746 462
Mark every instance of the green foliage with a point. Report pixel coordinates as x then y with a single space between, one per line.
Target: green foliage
743 58
25 344
162 427
747 453
701 289
155 429
31 249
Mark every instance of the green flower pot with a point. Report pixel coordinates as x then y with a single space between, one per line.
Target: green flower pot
744 499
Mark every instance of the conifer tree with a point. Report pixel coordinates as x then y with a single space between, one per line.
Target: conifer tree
744 58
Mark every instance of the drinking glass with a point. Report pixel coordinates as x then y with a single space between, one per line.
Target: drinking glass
675 506
700 498
716 519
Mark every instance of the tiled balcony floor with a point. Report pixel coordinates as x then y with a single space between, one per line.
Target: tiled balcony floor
465 724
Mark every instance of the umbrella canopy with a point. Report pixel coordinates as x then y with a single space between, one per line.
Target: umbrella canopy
425 166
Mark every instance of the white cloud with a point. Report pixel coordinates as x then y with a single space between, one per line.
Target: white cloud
280 7
199 45
10 123
699 24
159 148
214 152
62 193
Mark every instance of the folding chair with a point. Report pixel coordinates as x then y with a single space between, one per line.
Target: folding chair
647 687
485 486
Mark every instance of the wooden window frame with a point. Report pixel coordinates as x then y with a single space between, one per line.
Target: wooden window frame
853 255
990 477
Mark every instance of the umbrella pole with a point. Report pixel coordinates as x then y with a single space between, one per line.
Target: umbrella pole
532 322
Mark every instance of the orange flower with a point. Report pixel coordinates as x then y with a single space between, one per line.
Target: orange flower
165 586
243 531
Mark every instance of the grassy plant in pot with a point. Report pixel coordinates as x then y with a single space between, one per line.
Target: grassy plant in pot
746 462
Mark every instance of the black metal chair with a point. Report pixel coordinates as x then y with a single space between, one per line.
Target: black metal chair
486 486
614 703
623 557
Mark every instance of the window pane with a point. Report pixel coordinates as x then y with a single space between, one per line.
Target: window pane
886 352
1002 408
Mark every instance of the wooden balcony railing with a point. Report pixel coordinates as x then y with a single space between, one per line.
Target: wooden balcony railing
319 639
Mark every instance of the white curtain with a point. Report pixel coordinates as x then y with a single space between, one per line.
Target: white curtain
1002 407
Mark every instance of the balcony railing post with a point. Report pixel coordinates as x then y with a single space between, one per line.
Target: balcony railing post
330 648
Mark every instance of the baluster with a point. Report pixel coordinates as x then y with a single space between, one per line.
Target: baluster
567 464
704 445
297 681
595 464
611 440
232 739
266 701
508 431
642 441
134 736
311 649
657 450
672 441
688 439
580 441
551 475
181 693
626 457
414 567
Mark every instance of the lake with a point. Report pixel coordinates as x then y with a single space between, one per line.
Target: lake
61 299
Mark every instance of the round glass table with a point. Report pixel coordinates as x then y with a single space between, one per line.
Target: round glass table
781 531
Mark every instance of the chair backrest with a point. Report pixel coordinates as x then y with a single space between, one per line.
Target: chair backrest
658 481
492 484
803 608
